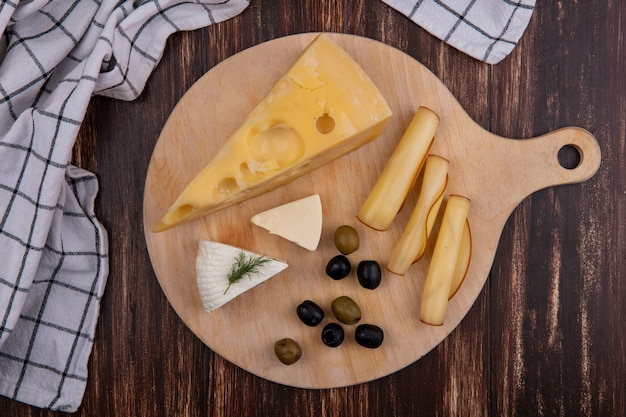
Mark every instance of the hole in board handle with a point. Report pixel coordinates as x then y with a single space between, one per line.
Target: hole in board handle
569 156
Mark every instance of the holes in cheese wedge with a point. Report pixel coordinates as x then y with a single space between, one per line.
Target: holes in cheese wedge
185 210
226 186
279 137
325 124
279 143
248 175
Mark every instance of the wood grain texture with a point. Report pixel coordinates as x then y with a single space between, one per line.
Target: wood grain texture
545 335
563 351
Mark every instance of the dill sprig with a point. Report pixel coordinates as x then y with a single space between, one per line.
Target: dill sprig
244 266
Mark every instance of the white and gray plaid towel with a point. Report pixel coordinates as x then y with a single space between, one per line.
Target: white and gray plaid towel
53 251
54 55
487 30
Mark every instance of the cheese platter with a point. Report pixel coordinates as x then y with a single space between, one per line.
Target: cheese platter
495 173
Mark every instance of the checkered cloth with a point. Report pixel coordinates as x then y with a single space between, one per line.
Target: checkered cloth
53 252
487 30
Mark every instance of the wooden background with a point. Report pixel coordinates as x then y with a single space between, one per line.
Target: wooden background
545 335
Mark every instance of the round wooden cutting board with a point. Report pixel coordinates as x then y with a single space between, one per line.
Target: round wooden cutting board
494 172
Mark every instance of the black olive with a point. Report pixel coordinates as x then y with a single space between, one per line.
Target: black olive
338 267
369 274
310 313
332 335
369 335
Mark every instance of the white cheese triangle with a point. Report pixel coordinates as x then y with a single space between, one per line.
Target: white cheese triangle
299 221
213 264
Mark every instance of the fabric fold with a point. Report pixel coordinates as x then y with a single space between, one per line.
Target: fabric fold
487 30
53 250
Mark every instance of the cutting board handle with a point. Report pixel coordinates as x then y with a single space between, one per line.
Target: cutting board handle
505 171
512 169
548 146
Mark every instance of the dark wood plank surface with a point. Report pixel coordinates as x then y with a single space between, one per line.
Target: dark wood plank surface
544 337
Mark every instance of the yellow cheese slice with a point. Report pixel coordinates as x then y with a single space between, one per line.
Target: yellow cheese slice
299 221
323 107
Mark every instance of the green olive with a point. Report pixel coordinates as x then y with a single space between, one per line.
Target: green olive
346 310
346 239
288 351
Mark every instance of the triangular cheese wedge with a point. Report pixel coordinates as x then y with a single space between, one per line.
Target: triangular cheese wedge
213 264
299 221
323 107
